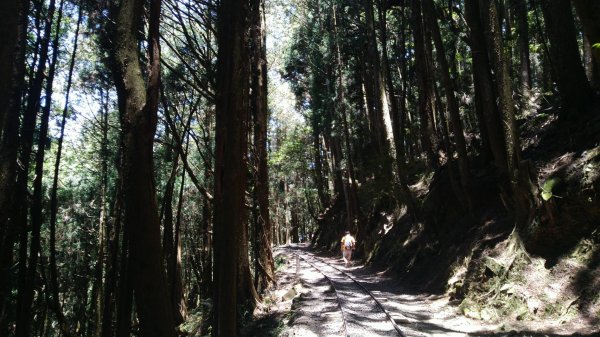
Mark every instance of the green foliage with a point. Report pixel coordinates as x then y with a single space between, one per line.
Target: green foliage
280 262
596 45
547 188
291 153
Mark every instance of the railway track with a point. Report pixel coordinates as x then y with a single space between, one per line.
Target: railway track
362 313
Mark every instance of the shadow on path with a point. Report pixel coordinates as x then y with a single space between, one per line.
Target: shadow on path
427 315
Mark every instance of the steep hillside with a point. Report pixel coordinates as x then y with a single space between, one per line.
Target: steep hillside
494 267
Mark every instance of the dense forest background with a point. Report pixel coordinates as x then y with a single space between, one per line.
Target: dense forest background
153 152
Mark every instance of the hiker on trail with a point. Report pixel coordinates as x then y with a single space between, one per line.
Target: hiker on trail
348 245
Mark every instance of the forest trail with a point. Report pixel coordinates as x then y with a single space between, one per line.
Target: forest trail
154 152
305 303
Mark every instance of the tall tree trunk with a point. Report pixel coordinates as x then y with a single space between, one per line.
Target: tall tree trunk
589 62
177 290
424 67
505 102
589 14
547 76
318 128
138 105
397 113
230 165
264 260
489 118
374 84
403 73
518 174
351 186
247 297
169 244
319 176
451 101
9 145
520 14
110 290
573 86
103 230
125 296
9 42
207 236
54 287
27 293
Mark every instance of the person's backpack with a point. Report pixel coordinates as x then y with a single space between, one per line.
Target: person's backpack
348 243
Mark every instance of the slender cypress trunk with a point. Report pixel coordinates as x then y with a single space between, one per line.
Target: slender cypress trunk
207 247
374 84
487 112
110 290
573 86
230 165
589 62
138 104
403 73
26 293
451 101
424 67
8 161
520 14
341 105
319 176
25 290
505 102
177 291
9 42
263 240
125 296
397 114
247 297
168 245
588 12
54 287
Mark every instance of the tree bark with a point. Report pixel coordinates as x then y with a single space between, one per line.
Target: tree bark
125 296
451 101
9 42
374 85
230 165
424 68
8 157
349 176
29 269
177 285
397 114
588 12
573 86
138 105
319 176
54 287
207 236
265 269
520 10
110 281
505 102
485 96
170 239
405 93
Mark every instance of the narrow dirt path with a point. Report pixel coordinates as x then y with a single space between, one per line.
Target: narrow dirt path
315 299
